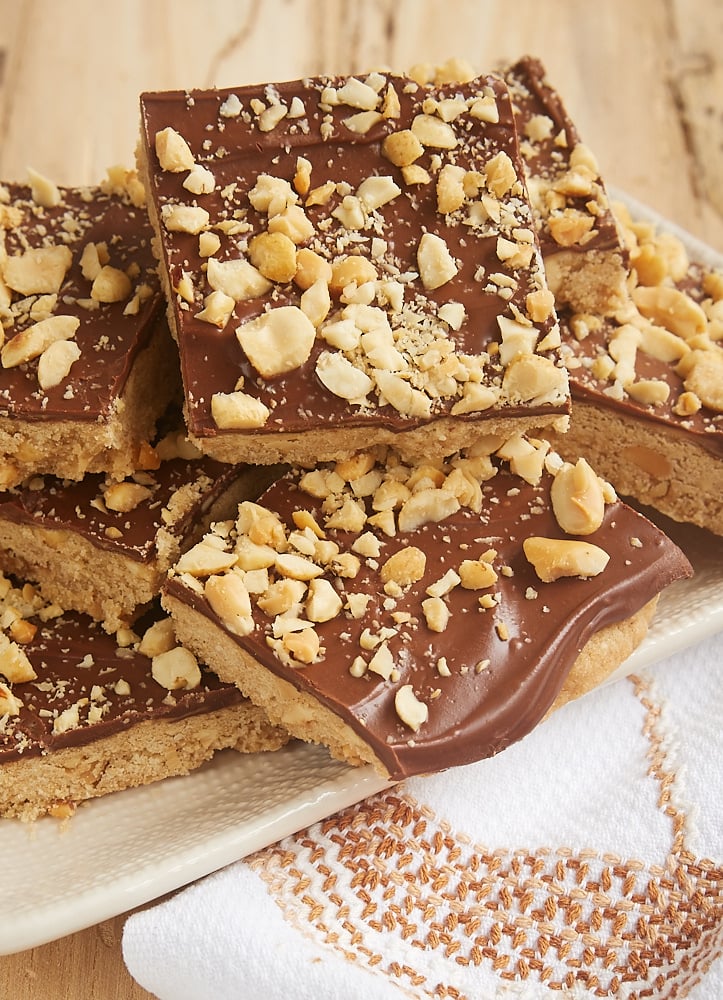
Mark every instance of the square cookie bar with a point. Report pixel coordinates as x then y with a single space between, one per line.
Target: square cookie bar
350 262
87 363
647 385
103 546
421 616
586 259
81 716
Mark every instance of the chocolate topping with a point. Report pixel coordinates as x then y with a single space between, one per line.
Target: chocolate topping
493 672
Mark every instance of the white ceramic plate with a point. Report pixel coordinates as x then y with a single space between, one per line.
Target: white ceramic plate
121 851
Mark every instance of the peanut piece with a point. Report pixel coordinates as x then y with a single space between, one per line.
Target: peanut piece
570 227
577 499
357 94
310 268
9 704
274 255
200 180
55 363
176 669
297 567
704 377
230 600
433 132
553 558
205 559
184 218
38 271
303 645
238 410
401 395
272 195
477 574
436 614
412 712
15 666
342 378
402 148
43 191
277 341
173 152
436 264
36 339
126 496
271 116
649 392
351 270
500 174
426 506
450 188
281 596
672 309
322 602
535 379
292 222
158 638
315 302
377 191
237 278
217 309
405 567
110 285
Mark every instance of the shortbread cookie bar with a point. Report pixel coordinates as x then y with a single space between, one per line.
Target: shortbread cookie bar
422 616
648 386
87 361
585 255
104 546
350 262
81 716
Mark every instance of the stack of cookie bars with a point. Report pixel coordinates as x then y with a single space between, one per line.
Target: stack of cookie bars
301 432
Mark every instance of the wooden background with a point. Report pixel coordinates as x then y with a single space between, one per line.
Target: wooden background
642 78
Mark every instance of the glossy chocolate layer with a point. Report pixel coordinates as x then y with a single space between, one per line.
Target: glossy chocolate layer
77 663
237 151
109 340
504 665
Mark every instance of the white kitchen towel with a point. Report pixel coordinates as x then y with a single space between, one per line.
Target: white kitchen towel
585 861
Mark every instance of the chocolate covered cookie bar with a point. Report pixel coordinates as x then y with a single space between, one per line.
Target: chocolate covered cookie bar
421 616
103 546
83 716
349 262
87 363
647 385
586 259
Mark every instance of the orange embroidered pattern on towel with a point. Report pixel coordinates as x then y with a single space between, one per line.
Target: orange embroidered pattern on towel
390 884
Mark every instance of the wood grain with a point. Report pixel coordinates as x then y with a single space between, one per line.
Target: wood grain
642 78
84 966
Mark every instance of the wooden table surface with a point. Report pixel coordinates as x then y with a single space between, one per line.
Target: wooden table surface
642 78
